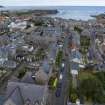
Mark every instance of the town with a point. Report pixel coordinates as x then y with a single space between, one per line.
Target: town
51 61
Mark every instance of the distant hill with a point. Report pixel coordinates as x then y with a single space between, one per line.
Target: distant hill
1 6
37 12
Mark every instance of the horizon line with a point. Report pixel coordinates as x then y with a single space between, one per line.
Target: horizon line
57 5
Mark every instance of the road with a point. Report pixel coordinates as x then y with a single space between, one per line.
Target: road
65 81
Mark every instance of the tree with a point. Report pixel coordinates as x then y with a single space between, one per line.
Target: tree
52 82
78 29
59 58
73 95
92 88
85 43
101 77
21 73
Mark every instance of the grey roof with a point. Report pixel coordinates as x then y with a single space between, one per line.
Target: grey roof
3 51
74 66
46 66
86 32
15 97
2 99
76 38
31 92
76 54
10 64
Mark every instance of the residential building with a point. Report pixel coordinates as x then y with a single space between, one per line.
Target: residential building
3 28
3 55
17 25
25 94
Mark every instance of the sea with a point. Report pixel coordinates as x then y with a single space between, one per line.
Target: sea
66 12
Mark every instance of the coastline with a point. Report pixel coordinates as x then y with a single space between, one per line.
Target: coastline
1 6
65 12
30 12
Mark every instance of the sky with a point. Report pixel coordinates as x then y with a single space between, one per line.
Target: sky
52 2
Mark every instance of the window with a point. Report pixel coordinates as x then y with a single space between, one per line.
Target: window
36 102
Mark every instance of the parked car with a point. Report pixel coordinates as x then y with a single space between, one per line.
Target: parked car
58 90
60 45
66 54
62 70
61 76
63 65
63 60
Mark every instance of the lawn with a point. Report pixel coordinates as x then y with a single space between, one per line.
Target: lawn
84 74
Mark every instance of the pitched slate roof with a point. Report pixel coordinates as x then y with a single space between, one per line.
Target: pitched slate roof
17 92
15 96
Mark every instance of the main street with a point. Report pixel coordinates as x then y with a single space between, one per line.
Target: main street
62 100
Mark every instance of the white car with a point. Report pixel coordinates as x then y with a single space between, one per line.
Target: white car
33 76
61 77
52 60
60 45
63 65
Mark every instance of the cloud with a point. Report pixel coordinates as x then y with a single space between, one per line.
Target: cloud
52 2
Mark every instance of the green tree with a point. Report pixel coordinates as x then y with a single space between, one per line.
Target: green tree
59 58
92 88
73 95
101 77
21 73
78 29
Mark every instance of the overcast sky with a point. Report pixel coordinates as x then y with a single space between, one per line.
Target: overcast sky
52 2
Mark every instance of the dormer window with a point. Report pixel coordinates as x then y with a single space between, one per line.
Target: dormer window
27 102
36 103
